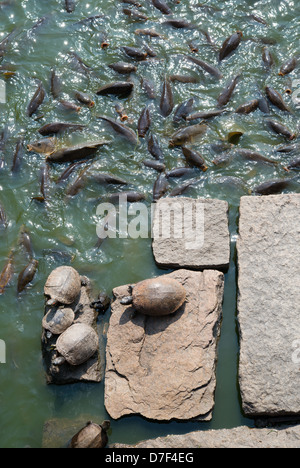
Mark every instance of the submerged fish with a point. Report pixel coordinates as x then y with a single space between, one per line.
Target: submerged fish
74 153
161 186
254 156
194 158
184 135
281 129
276 99
230 45
154 148
120 89
183 110
37 100
45 146
226 94
27 275
272 187
70 6
144 122
127 132
288 67
212 70
59 127
167 100
7 273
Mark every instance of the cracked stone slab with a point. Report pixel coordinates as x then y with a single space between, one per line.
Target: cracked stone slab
239 437
199 236
163 368
269 305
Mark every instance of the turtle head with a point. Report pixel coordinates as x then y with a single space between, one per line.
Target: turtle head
127 300
105 425
52 302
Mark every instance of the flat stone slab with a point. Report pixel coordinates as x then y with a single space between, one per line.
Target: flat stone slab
269 305
190 233
163 368
239 437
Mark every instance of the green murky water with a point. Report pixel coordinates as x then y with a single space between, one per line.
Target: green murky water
26 403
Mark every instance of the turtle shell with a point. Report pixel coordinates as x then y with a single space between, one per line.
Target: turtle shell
158 297
63 285
91 436
58 320
78 343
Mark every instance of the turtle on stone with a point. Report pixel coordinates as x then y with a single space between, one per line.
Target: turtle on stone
63 286
76 345
56 321
101 304
91 436
156 297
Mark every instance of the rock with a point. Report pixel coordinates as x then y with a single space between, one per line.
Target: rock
269 305
163 368
204 243
89 371
239 437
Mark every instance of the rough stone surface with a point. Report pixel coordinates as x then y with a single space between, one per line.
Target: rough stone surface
240 437
89 371
269 305
212 251
163 368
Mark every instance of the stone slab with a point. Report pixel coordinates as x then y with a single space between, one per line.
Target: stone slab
239 437
199 235
163 368
269 305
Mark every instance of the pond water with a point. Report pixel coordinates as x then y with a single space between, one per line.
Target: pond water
63 231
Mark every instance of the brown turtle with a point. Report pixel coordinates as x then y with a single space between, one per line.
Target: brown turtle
77 344
91 436
156 297
63 286
56 321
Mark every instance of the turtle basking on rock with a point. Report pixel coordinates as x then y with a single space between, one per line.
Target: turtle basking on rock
91 436
63 286
76 345
156 297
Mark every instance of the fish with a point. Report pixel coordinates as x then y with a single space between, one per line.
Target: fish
295 164
79 63
226 94
154 148
258 19
281 129
194 158
67 172
102 178
263 105
179 24
183 110
156 165
74 153
223 159
146 32
55 85
121 112
84 99
254 156
40 22
150 51
123 68
183 79
211 69
205 115
120 89
37 100
288 67
130 196
122 129
272 187
132 2
71 106
70 6
160 187
78 184
144 122
59 127
135 14
167 100
276 99
5 43
162 6
149 87
135 53
25 241
186 134
27 275
179 172
44 181
45 146
181 189
267 58
7 273
3 219
289 148
18 155
248 107
230 45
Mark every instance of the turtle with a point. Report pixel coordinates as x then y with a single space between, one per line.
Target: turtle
91 436
63 286
156 297
101 304
76 345
56 321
